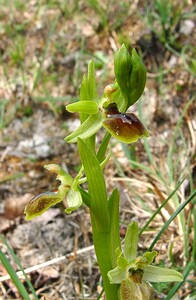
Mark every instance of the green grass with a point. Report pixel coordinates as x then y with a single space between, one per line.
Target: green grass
11 271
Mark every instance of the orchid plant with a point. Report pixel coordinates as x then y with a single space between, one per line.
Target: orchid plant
125 275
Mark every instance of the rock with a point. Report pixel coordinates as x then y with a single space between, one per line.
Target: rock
187 27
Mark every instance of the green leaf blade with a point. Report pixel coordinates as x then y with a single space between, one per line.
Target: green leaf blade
114 237
20 287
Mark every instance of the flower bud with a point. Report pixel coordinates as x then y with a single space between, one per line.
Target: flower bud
122 69
130 75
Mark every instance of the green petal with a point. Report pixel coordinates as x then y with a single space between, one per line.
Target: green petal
157 274
88 107
150 256
74 201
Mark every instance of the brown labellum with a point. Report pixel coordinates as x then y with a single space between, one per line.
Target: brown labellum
125 127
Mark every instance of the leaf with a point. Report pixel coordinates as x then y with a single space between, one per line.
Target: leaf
96 186
103 147
114 237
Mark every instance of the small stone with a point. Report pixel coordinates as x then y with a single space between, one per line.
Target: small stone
187 27
172 62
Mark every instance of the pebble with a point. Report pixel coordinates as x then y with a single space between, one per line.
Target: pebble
187 27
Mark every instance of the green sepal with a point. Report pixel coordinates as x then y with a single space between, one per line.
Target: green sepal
158 274
89 127
87 107
116 275
114 236
74 200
